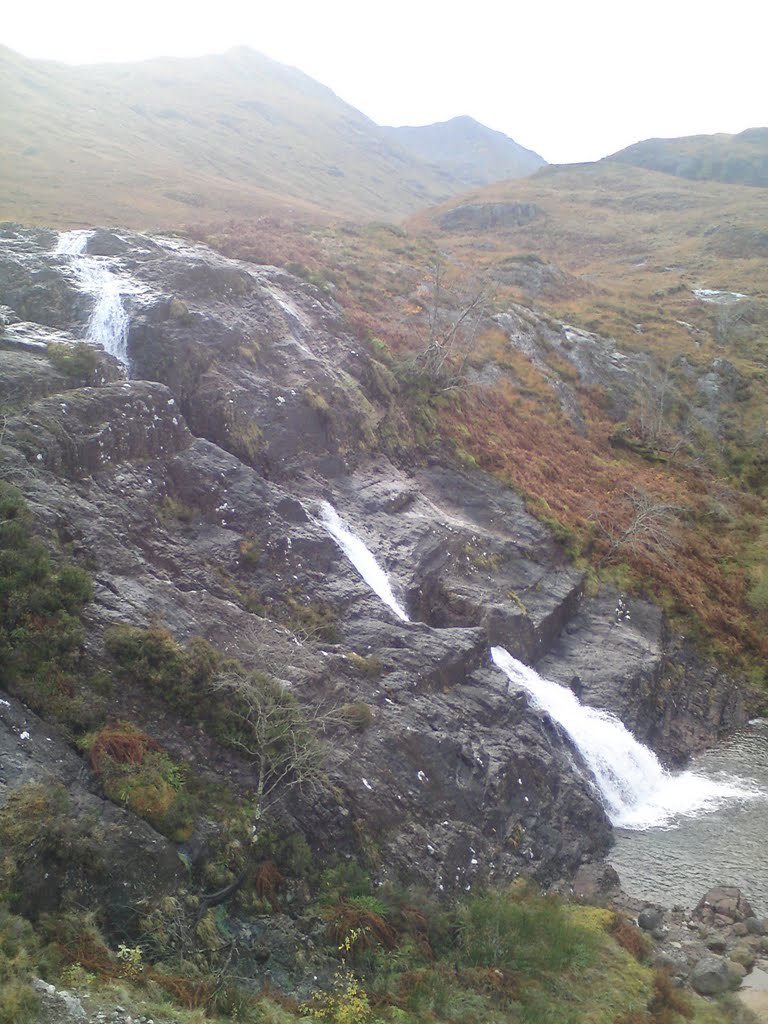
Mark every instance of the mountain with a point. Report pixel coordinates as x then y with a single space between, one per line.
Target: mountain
737 159
170 140
473 153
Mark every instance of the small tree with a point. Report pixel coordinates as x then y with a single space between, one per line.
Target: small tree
638 523
455 311
263 720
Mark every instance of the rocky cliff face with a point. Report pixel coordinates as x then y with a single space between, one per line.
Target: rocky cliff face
189 484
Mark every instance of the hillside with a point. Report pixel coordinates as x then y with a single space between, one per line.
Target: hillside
275 794
736 159
473 154
618 248
648 370
158 142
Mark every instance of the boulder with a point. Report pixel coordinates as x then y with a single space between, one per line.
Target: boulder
650 919
106 243
711 976
723 905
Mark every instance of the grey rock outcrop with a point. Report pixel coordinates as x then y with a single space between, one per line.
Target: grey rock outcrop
489 216
723 904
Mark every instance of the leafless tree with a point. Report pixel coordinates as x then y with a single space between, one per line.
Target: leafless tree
653 423
728 315
636 522
281 652
456 311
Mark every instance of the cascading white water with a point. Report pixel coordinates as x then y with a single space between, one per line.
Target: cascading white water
108 325
637 791
361 557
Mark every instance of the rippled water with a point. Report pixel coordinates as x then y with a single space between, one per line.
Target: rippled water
728 846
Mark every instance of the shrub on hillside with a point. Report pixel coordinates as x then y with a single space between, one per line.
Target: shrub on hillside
138 774
18 955
79 361
41 632
48 855
521 931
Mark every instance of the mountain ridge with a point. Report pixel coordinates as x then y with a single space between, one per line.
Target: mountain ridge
234 134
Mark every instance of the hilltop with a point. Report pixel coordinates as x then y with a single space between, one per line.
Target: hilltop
736 159
473 153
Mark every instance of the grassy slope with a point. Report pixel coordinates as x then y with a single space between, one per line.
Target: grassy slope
640 239
151 144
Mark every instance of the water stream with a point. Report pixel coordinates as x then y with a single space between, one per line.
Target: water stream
109 322
677 833
361 557
637 791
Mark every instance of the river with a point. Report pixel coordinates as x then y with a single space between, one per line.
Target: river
676 864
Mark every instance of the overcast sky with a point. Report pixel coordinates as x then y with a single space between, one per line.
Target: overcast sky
572 80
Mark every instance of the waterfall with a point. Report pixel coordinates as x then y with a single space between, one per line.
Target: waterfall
361 557
638 793
108 324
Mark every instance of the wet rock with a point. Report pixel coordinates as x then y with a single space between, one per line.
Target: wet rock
710 976
650 919
106 243
723 904
92 428
595 883
649 680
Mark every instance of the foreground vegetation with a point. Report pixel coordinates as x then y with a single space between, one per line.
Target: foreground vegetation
500 958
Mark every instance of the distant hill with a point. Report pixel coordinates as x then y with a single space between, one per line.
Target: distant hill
165 141
471 152
735 159
624 238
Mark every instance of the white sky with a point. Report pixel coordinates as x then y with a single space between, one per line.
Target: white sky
572 80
